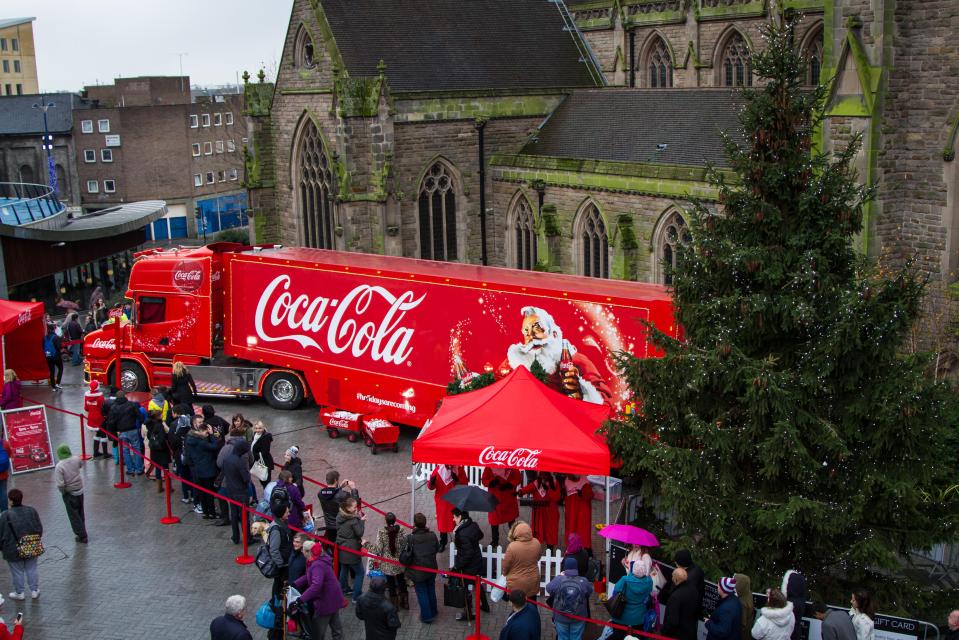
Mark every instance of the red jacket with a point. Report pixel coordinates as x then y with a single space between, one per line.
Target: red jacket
93 407
5 633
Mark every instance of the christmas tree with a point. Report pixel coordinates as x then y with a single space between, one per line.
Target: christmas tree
787 428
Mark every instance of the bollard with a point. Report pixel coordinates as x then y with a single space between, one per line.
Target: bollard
336 560
83 439
245 557
477 634
123 484
170 518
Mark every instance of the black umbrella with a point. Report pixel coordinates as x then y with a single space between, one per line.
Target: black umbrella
470 498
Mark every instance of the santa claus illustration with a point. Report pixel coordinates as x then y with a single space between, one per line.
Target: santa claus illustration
543 342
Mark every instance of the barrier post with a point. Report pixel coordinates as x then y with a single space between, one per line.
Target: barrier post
477 634
336 559
170 518
245 557
83 439
123 484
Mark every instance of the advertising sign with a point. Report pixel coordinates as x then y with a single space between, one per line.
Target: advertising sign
26 431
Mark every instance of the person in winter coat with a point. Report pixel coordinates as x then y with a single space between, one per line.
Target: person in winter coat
11 398
226 450
125 418
331 499
260 449
297 566
293 464
5 473
523 623
350 526
641 554
775 621
285 480
178 433
158 402
545 494
443 479
157 436
521 561
694 573
574 549
182 386
230 625
390 540
636 586
201 449
836 625
502 484
579 508
69 481
378 614
319 588
15 523
744 591
469 557
682 611
236 481
425 546
570 593
53 353
861 611
279 541
221 428
795 590
93 408
727 617
74 334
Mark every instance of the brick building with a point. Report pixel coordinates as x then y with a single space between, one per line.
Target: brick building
146 138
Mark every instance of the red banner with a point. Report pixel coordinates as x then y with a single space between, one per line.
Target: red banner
26 431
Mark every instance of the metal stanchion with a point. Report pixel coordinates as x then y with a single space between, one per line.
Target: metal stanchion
83 439
245 557
123 484
170 518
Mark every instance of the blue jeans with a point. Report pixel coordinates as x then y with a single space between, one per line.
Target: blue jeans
133 462
75 357
360 569
426 597
570 630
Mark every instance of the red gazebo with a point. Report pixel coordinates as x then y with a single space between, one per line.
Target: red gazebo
21 339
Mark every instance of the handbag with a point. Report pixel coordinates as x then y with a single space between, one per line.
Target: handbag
659 580
259 470
28 546
499 590
265 616
616 606
406 555
454 593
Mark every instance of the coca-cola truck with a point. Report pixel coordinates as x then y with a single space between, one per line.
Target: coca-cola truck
366 333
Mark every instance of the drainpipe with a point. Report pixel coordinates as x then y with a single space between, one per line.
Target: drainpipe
632 58
481 142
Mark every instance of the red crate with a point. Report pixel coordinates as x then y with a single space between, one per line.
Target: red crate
380 434
337 422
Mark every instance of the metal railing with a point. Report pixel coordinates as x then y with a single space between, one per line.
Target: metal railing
23 203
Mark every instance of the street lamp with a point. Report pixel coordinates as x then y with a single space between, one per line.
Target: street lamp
44 106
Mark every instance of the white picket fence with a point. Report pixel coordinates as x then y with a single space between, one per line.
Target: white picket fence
422 473
550 564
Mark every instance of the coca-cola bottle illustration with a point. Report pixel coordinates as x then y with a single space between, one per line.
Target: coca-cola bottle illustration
461 372
569 376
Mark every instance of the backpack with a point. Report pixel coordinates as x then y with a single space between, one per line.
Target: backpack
568 598
4 459
157 438
280 496
49 348
264 562
593 569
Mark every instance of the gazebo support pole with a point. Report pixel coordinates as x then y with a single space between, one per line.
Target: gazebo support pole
608 543
412 491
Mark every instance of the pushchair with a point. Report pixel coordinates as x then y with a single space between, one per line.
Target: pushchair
299 613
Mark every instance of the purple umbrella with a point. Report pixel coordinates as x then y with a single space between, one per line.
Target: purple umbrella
630 535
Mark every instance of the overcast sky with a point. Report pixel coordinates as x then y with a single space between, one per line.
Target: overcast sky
82 42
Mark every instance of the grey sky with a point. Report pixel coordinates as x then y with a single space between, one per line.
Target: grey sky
84 41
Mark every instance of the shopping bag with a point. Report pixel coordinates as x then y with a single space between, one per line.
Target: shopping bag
454 593
499 590
265 616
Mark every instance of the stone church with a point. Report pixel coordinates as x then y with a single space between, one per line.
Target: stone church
538 134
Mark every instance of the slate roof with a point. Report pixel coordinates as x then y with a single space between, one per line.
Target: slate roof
18 117
626 125
12 22
432 45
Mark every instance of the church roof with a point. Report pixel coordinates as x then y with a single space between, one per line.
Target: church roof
454 45
631 125
18 117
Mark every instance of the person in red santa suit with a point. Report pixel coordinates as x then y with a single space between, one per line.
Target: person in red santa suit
502 483
442 480
579 509
93 408
543 342
545 493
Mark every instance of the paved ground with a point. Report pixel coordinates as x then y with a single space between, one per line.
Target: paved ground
139 579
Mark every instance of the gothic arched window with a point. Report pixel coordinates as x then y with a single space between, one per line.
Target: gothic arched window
316 186
26 174
523 229
736 64
303 50
813 57
659 65
673 238
593 243
437 205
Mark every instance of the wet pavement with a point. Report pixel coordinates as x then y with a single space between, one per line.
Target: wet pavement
140 579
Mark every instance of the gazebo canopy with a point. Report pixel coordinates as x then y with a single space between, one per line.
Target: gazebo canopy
517 423
21 325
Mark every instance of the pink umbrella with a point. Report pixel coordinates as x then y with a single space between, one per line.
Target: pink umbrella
630 535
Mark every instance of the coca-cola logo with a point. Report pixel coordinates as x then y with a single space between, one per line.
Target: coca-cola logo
188 275
104 344
339 324
23 318
339 422
520 458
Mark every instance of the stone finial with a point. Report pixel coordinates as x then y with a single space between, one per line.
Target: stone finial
246 77
381 68
261 76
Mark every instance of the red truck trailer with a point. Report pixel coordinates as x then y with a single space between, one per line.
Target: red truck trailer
366 333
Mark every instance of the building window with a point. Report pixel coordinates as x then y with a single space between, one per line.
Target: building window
219 146
221 174
304 51
206 119
217 119
233 174
26 174
3 44
316 190
813 56
14 44
437 204
229 117
593 243
6 66
210 177
9 89
659 65
196 148
93 186
244 140
106 155
89 155
19 89
671 240
522 227
16 66
194 121
737 66
103 125
230 146
197 180
86 126
208 148
109 186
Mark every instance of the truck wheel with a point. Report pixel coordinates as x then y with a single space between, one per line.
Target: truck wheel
132 377
283 391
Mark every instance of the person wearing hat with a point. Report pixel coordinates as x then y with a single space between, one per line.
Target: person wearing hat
93 408
636 586
378 614
70 483
569 593
293 464
726 621
694 575
321 589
